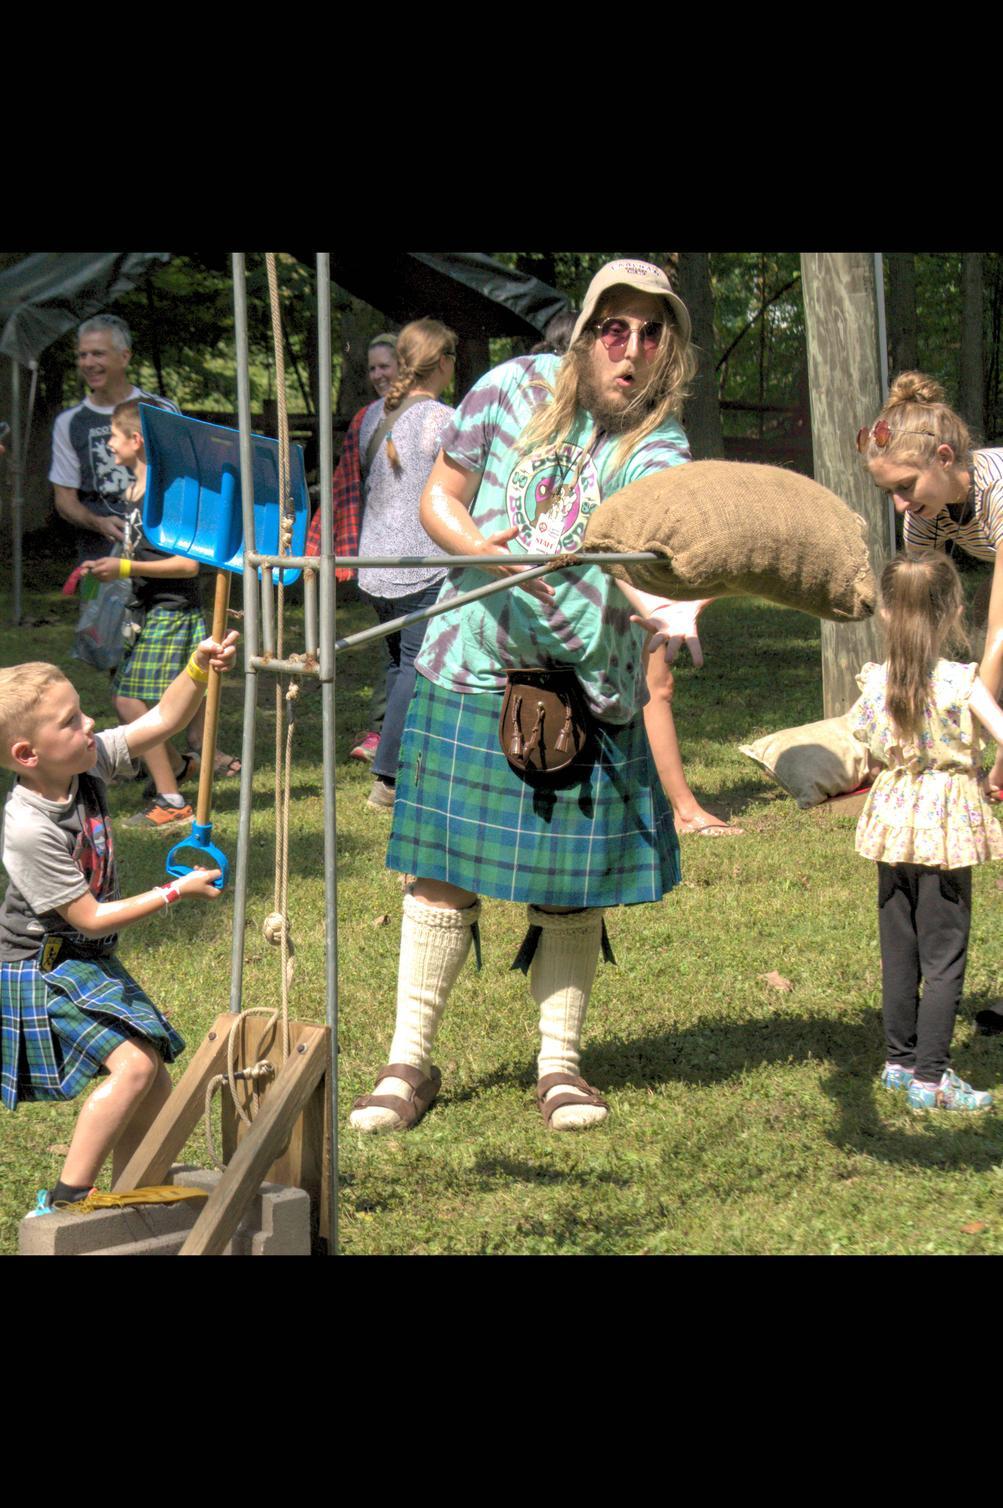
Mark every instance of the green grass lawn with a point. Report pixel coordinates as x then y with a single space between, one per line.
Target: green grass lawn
745 1119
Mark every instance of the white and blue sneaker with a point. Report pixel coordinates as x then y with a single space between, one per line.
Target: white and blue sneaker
896 1077
43 1205
952 1093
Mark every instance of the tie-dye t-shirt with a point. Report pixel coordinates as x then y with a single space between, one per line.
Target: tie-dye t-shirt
587 625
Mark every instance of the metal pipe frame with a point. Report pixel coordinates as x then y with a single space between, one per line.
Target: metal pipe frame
17 461
582 558
322 650
251 629
328 606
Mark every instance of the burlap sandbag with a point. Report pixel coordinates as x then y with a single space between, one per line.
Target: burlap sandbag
815 761
729 529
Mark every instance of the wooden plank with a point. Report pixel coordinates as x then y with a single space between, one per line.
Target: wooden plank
159 1148
286 1100
302 1164
840 304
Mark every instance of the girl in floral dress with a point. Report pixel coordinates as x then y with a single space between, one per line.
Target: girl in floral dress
926 822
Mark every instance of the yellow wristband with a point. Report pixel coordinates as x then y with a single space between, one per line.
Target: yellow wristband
124 566
194 669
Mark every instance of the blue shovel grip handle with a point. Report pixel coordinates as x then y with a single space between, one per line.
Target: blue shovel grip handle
199 840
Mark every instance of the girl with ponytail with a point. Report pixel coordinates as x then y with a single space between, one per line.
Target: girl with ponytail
926 822
922 454
398 442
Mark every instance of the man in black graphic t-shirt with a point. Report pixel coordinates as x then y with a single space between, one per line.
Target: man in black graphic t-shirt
89 484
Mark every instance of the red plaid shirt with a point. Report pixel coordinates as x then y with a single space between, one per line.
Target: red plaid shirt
347 494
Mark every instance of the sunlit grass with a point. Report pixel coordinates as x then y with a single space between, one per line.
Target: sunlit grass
745 1119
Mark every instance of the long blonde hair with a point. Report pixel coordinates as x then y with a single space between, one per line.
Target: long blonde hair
421 345
919 421
673 370
922 610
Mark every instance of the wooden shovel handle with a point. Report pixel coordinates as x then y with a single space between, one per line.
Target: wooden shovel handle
208 767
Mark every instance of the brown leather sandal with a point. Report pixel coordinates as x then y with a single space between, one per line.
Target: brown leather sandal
410 1111
586 1096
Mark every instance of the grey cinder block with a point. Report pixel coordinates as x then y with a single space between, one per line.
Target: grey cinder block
275 1224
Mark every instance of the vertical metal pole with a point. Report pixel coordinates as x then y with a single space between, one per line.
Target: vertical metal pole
310 611
267 611
251 648
328 604
17 468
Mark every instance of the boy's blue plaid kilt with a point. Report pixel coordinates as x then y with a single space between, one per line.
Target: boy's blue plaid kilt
170 636
57 1028
463 815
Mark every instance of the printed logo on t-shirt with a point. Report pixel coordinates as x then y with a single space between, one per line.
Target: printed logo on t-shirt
110 478
547 503
94 853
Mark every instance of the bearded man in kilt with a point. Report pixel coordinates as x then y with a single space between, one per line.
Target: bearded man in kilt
532 450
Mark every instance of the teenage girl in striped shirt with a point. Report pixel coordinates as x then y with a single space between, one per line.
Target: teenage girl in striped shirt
922 454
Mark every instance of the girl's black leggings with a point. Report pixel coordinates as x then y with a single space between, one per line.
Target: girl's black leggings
924 917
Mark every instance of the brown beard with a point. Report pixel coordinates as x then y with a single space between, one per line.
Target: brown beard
615 421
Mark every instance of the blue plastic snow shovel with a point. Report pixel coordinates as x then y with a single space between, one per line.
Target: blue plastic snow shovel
193 502
192 507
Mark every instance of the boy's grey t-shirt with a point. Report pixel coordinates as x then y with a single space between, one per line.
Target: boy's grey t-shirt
56 851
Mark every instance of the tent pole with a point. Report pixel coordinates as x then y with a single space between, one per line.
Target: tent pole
328 604
17 509
251 646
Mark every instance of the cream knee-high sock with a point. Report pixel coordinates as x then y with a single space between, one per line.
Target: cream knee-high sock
561 976
434 947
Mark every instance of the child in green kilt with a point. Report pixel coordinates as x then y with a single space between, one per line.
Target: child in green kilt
68 1009
167 592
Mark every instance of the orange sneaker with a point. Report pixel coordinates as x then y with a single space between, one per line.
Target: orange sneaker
159 814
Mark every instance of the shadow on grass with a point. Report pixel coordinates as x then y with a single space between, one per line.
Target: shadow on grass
490 1169
716 1051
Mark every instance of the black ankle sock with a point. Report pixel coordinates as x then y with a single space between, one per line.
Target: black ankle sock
68 1193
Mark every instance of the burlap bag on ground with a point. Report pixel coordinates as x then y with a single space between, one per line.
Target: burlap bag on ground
815 761
729 529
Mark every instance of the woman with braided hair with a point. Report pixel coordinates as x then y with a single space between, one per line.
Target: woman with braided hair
398 442
922 454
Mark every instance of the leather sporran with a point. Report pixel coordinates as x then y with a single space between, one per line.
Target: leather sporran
545 724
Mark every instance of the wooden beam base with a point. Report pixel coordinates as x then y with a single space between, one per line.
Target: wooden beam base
286 1099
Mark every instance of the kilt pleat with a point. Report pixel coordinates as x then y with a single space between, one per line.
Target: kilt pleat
169 638
463 815
57 1028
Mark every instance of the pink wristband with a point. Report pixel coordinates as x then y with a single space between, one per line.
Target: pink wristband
170 894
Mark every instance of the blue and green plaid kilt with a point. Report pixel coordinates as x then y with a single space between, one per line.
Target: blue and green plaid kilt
169 638
463 815
57 1028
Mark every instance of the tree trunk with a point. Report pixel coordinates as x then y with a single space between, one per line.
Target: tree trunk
841 321
903 353
702 417
543 267
995 323
473 359
971 387
356 333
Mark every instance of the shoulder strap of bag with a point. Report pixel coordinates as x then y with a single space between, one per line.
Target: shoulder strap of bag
385 426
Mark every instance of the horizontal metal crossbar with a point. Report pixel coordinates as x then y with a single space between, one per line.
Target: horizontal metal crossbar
410 562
